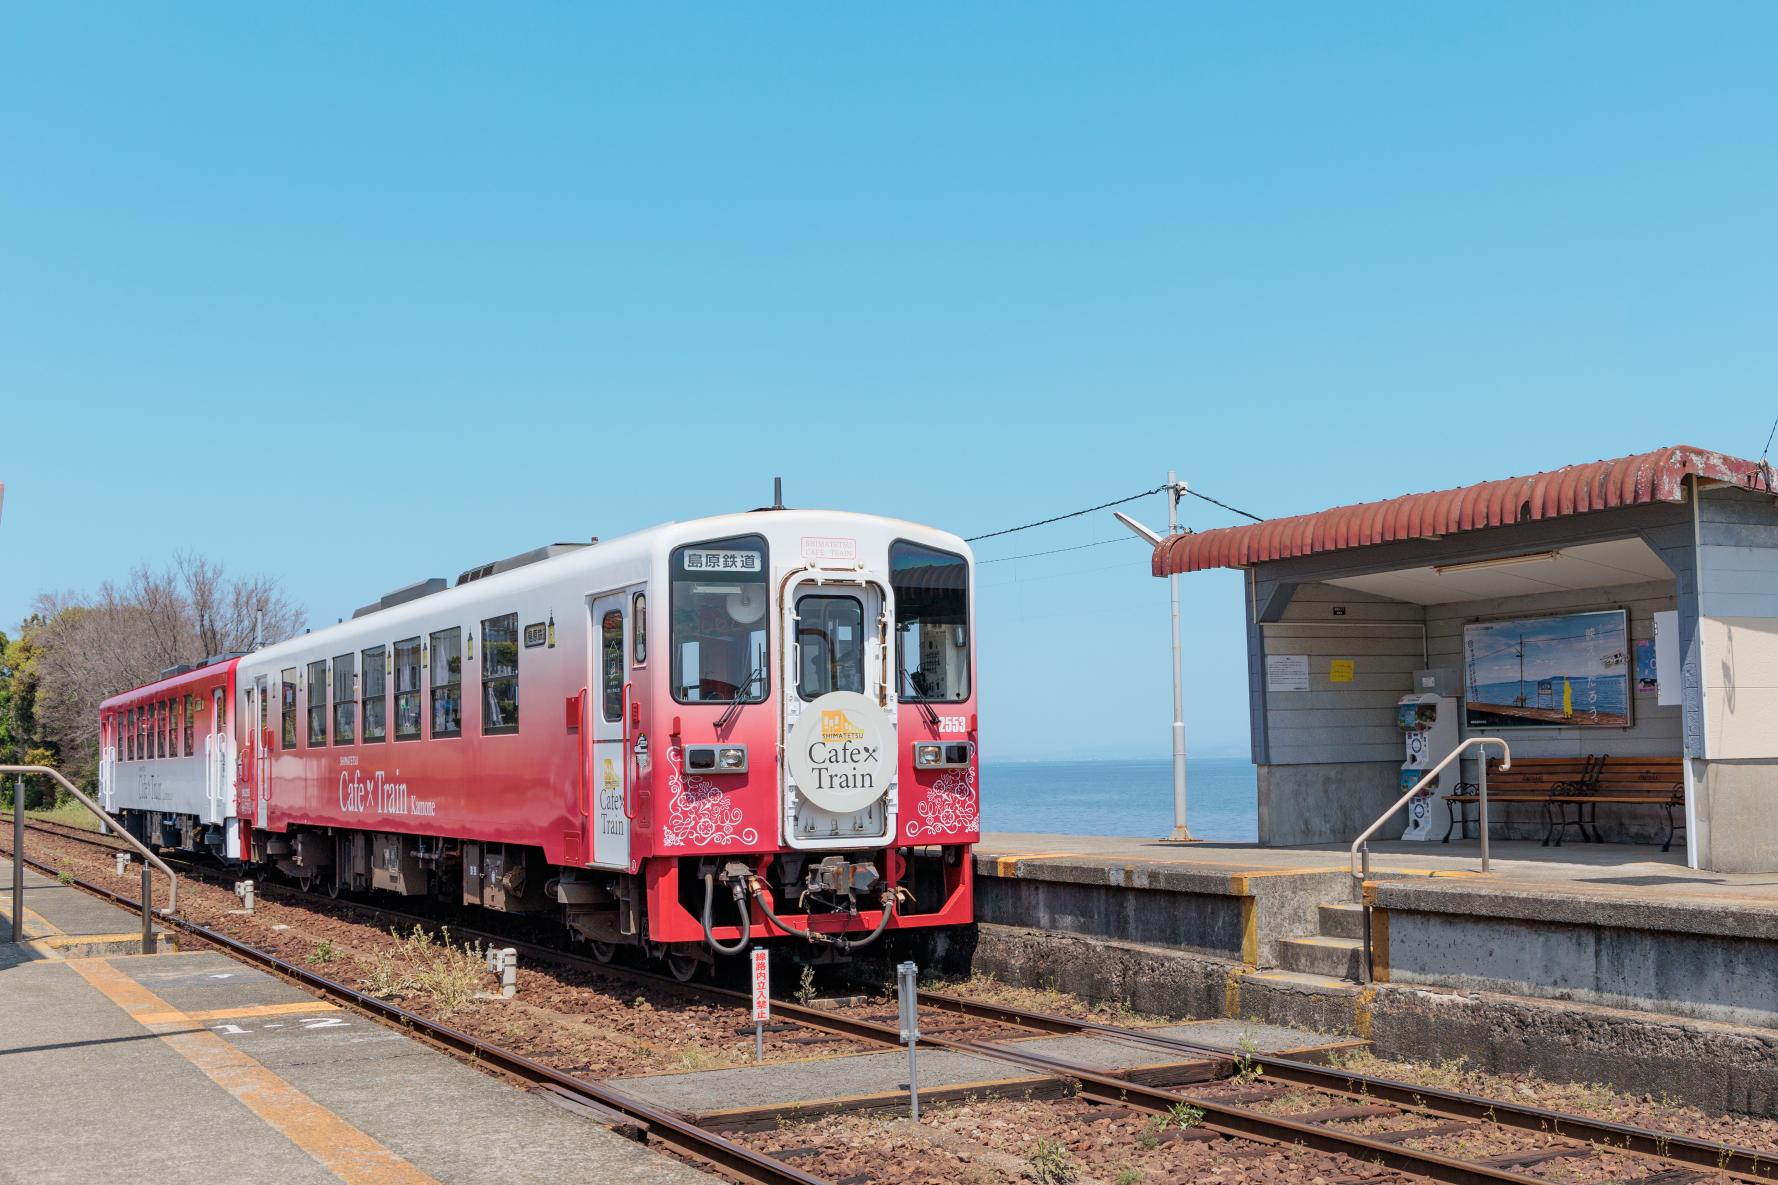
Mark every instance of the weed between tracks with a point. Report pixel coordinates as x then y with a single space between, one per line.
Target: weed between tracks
440 972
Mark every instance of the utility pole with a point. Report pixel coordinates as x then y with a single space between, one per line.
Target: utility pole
1175 490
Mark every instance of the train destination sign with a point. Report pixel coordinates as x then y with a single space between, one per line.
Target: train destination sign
841 752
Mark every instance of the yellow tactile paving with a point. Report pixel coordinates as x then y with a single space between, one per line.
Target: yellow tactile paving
342 1149
241 1013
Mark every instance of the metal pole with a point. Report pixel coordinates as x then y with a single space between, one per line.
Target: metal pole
1483 806
1181 834
147 910
908 987
18 859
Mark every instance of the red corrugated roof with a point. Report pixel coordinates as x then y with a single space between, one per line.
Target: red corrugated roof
1576 489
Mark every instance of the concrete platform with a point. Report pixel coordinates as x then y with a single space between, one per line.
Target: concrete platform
1612 924
193 1066
62 920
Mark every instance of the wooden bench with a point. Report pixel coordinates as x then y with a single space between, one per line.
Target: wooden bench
1629 781
1531 779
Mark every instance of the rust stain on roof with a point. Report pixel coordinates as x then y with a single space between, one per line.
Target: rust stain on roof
1657 476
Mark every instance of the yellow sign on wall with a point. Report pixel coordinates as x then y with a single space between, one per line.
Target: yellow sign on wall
1341 670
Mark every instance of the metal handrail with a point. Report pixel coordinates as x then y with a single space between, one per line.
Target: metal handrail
148 857
1362 846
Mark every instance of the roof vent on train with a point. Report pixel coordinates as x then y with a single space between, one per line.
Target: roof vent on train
183 668
549 551
413 592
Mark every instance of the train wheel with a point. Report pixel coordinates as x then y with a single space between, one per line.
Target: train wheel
684 967
305 881
336 884
601 951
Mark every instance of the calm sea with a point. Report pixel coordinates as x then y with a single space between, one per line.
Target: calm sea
1120 797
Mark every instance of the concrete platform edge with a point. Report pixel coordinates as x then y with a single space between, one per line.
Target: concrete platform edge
1718 1066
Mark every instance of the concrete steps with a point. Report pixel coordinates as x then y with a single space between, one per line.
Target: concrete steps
1342 919
1322 955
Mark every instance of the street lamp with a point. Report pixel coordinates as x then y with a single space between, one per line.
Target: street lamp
1175 490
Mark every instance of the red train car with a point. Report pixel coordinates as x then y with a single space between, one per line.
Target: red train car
758 726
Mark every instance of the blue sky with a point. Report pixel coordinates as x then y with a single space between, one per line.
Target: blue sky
361 294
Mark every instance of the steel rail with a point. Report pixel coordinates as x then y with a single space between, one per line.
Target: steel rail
1703 1154
1741 1163
742 1163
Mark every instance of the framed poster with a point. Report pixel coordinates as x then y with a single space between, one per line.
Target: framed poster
1572 670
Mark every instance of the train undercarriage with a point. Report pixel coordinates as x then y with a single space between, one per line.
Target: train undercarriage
684 911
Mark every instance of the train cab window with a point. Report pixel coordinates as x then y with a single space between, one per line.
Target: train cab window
219 723
447 683
639 629
611 666
318 702
931 623
717 639
287 706
375 704
345 699
829 644
500 674
192 703
410 706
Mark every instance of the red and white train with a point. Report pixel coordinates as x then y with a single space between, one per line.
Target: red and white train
696 736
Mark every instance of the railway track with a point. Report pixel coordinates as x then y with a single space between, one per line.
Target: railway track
1569 1139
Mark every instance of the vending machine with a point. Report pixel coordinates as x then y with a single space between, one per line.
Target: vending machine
1428 722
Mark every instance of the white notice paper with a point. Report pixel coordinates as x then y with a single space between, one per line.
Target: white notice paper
1669 680
1287 672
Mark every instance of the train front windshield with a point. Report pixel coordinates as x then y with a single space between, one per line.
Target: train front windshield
719 600
931 623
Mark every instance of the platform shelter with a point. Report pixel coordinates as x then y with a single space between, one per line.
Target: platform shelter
1612 611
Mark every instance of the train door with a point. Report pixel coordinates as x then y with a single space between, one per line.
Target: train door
838 720
610 711
259 740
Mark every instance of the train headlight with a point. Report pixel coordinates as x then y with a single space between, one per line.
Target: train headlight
948 755
716 759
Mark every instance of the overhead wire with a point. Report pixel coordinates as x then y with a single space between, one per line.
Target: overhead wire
1044 522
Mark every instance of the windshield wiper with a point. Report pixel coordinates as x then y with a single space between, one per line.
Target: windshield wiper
734 705
925 708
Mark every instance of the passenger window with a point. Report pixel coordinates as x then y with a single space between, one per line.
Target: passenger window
639 629
500 674
410 707
219 724
447 683
129 734
931 624
288 680
611 666
191 722
717 637
345 699
830 645
375 683
317 691
160 728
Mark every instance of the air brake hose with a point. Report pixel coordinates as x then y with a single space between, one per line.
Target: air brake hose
746 921
841 941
